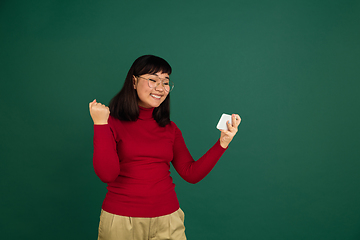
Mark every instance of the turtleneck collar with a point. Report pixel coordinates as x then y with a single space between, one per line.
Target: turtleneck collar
145 113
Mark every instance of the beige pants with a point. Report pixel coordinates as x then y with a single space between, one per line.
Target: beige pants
115 227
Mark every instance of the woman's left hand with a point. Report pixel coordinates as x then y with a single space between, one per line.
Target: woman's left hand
227 135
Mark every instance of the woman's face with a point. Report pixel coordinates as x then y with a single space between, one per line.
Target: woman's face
151 97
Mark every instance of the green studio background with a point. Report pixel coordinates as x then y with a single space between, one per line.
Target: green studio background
289 68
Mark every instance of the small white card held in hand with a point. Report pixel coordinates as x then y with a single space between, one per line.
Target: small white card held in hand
222 122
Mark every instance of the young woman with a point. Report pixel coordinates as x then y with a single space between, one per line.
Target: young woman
134 144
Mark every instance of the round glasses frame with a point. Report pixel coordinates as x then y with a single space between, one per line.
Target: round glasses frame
153 83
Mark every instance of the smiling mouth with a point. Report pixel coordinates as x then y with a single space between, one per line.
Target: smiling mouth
155 96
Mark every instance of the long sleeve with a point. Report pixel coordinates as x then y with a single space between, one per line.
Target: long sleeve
190 170
105 158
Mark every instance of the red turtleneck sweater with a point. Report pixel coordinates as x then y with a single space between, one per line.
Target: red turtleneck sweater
133 158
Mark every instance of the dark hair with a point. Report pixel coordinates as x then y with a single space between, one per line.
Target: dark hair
124 105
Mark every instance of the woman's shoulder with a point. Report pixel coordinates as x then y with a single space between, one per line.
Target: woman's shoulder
174 127
115 123
112 121
117 127
172 124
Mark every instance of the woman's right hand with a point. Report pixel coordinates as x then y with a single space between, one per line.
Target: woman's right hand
99 113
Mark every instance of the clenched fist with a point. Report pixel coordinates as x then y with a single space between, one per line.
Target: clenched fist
99 113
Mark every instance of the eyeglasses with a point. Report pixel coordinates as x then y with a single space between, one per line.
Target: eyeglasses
155 81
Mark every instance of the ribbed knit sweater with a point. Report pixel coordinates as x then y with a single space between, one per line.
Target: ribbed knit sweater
133 158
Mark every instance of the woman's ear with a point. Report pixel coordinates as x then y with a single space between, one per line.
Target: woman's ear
134 81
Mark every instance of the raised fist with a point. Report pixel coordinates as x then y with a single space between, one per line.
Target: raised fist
99 113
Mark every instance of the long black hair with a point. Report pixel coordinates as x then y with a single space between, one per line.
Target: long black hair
124 105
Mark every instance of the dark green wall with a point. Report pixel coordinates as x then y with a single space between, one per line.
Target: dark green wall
289 68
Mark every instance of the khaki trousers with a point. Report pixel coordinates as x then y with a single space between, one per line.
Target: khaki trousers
115 227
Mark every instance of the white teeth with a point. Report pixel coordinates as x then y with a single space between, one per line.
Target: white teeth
155 96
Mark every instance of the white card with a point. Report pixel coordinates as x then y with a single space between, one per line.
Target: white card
222 122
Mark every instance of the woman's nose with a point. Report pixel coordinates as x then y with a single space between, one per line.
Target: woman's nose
160 84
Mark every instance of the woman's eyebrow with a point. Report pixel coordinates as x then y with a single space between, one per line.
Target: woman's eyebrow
154 74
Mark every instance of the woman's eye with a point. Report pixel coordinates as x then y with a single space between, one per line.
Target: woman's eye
152 80
166 83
